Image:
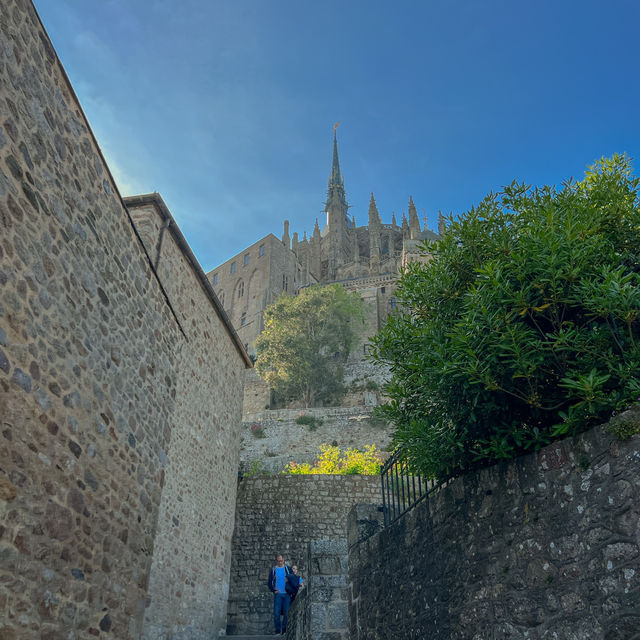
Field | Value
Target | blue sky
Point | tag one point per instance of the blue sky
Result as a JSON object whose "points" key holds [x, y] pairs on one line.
{"points": [[227, 108]]}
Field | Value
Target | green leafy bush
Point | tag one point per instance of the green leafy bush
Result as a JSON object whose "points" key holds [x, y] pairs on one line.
{"points": [[523, 327], [311, 421], [332, 461]]}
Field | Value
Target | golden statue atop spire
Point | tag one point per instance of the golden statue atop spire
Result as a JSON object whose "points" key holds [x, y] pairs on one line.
{"points": [[336, 125]]}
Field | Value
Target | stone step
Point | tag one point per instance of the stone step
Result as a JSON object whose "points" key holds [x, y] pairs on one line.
{"points": [[269, 637]]}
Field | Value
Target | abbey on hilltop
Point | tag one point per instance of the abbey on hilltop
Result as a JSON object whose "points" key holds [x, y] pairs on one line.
{"points": [[366, 259]]}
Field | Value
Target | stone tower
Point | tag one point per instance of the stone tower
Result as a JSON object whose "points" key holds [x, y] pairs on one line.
{"points": [[336, 206]]}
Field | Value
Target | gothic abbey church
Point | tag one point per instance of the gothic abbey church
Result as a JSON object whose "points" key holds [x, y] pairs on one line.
{"points": [[366, 259]]}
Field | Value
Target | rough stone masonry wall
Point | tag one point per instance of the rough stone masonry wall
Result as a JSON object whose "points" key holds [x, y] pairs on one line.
{"points": [[546, 546], [189, 582], [91, 373], [283, 440], [282, 514], [321, 608]]}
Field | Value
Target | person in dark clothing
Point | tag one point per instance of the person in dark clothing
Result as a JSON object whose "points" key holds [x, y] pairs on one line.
{"points": [[294, 583], [279, 583]]}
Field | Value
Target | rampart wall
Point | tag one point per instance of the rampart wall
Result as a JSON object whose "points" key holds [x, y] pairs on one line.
{"points": [[103, 422], [546, 546], [192, 553], [282, 514]]}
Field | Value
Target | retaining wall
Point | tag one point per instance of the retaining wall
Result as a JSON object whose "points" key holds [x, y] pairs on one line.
{"points": [[546, 546], [282, 514]]}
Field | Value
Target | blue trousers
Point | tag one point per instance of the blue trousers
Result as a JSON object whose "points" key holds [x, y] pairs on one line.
{"points": [[281, 604]]}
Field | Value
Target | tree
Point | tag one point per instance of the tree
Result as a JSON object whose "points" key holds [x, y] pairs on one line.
{"points": [[523, 328], [305, 342]]}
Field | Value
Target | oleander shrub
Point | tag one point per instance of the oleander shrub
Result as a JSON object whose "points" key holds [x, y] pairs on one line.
{"points": [[522, 328]]}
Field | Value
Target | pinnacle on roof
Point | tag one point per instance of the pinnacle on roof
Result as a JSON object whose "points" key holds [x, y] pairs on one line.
{"points": [[374, 216], [414, 222], [442, 224]]}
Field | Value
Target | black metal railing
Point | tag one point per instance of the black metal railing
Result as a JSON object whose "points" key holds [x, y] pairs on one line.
{"points": [[402, 487]]}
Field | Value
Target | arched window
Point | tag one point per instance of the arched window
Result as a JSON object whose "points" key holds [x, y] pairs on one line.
{"points": [[240, 288], [221, 297], [285, 282], [243, 319]]}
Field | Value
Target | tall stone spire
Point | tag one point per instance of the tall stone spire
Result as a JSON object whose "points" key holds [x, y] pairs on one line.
{"points": [[339, 248], [335, 192]]}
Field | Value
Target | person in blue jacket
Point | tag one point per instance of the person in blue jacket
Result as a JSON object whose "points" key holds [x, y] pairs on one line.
{"points": [[292, 588], [281, 581]]}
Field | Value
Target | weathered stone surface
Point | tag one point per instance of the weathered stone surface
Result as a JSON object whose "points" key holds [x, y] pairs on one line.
{"points": [[321, 610], [283, 514], [556, 555], [285, 441], [120, 386]]}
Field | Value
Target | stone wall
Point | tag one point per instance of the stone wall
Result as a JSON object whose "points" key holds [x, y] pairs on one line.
{"points": [[189, 582], [546, 546], [99, 394], [282, 514], [253, 279], [257, 395], [282, 440], [321, 609]]}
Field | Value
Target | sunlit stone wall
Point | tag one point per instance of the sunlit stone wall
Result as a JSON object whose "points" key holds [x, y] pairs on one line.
{"points": [[117, 387]]}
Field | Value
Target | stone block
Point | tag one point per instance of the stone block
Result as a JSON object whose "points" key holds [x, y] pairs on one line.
{"points": [[328, 547], [337, 616]]}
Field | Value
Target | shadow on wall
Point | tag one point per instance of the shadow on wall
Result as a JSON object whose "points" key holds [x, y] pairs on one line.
{"points": [[547, 545]]}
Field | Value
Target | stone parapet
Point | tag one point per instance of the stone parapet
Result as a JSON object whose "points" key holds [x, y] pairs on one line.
{"points": [[544, 546]]}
